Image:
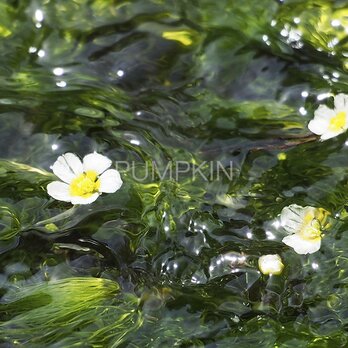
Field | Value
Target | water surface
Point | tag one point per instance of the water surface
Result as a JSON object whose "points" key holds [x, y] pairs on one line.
{"points": [[164, 262]]}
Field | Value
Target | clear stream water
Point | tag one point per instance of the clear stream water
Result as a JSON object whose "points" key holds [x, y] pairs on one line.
{"points": [[171, 261]]}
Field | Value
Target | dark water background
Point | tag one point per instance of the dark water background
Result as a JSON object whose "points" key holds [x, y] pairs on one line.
{"points": [[166, 263]]}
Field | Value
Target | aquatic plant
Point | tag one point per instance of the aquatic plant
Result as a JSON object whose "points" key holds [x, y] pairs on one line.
{"points": [[84, 181], [305, 226], [329, 123], [248, 88], [68, 312]]}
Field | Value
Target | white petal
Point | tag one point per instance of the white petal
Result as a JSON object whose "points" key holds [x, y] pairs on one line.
{"points": [[81, 200], [97, 162], [59, 190], [329, 135], [318, 125], [341, 102], [291, 218], [110, 181], [67, 167], [323, 112], [301, 246]]}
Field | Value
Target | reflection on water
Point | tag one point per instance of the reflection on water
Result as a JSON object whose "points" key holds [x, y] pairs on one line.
{"points": [[164, 263]]}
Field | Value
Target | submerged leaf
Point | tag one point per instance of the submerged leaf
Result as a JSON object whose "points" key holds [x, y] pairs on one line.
{"points": [[22, 179], [73, 311]]}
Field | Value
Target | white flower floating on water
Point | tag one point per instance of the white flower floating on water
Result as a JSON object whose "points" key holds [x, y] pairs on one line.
{"points": [[271, 264], [84, 181], [305, 225], [329, 123]]}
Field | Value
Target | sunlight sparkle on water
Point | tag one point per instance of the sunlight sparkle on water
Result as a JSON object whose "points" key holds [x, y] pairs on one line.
{"points": [[335, 23], [120, 73], [41, 53], [270, 235], [39, 15], [315, 265], [302, 111], [58, 71], [61, 84], [323, 96]]}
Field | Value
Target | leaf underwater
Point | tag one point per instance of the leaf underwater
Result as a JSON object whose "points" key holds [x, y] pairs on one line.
{"points": [[149, 82], [68, 311], [23, 180]]}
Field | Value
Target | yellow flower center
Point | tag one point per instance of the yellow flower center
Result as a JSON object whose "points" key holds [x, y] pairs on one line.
{"points": [[85, 184], [338, 122], [313, 223], [311, 233]]}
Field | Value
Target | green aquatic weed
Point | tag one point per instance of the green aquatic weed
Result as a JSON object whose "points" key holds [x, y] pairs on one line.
{"points": [[68, 312]]}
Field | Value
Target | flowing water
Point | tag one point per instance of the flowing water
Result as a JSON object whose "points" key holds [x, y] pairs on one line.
{"points": [[204, 105]]}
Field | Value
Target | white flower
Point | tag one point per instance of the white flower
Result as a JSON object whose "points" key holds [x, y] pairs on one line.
{"points": [[271, 264], [84, 181], [305, 224], [329, 123]]}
